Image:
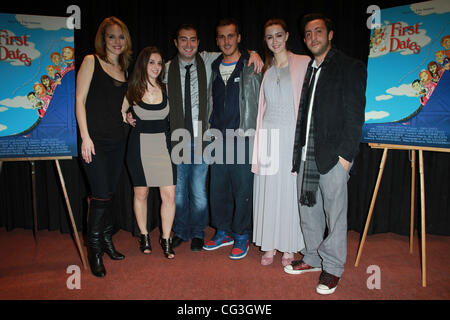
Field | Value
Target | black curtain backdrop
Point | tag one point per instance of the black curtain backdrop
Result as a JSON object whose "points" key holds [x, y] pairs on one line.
{"points": [[153, 23]]}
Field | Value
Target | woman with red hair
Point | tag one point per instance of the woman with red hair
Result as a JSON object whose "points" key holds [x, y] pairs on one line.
{"points": [[435, 71], [276, 223]]}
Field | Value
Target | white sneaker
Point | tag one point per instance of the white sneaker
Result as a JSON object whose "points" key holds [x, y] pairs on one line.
{"points": [[299, 267]]}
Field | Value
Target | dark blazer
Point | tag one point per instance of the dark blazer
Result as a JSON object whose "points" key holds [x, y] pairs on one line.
{"points": [[338, 111]]}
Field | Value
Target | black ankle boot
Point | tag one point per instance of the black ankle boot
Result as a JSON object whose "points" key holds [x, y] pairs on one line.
{"points": [[107, 244], [94, 234], [166, 245], [96, 263]]}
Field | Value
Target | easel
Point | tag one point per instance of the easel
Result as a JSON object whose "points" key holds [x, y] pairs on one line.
{"points": [[63, 186], [386, 147]]}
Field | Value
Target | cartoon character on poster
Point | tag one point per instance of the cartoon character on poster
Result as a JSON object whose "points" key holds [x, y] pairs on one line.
{"points": [[377, 41]]}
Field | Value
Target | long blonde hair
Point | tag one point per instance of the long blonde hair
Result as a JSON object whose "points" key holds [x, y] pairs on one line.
{"points": [[100, 44], [268, 60]]}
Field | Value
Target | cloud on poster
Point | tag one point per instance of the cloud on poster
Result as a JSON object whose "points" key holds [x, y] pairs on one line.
{"points": [[431, 7], [376, 115], [42, 22], [402, 90], [383, 97], [3, 127], [17, 102], [68, 39]]}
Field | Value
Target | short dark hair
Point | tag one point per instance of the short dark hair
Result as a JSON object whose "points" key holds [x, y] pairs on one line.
{"points": [[314, 16], [227, 22], [185, 26]]}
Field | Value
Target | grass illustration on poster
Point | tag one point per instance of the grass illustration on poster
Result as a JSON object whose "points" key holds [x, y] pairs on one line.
{"points": [[408, 85], [37, 97]]}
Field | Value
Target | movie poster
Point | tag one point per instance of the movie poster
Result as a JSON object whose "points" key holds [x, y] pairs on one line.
{"points": [[408, 85], [37, 87]]}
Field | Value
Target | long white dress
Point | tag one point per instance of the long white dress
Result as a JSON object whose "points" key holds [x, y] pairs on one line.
{"points": [[276, 221]]}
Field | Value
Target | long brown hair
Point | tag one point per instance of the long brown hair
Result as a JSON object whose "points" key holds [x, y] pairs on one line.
{"points": [[268, 60], [137, 85], [100, 44]]}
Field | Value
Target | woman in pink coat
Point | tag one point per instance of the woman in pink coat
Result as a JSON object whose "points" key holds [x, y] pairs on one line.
{"points": [[276, 225]]}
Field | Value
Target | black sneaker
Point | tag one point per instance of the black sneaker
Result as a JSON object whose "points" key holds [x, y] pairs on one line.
{"points": [[327, 283], [197, 244]]}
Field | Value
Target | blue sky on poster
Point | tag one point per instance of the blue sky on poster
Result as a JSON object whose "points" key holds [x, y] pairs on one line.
{"points": [[44, 35], [391, 69]]}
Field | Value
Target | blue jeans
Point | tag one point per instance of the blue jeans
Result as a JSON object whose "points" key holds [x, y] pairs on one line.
{"points": [[231, 194], [191, 199]]}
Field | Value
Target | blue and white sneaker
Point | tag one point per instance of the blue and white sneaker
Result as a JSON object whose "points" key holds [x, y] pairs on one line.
{"points": [[221, 239]]}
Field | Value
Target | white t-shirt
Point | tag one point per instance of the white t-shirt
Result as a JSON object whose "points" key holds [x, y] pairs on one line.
{"points": [[226, 69]]}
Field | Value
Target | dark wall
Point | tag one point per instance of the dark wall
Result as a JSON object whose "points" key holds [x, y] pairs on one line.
{"points": [[153, 23]]}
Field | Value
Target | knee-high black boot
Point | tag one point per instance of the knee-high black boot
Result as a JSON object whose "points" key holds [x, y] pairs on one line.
{"points": [[97, 211], [107, 244]]}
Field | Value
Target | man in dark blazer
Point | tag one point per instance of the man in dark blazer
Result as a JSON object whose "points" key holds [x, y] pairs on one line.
{"points": [[331, 115]]}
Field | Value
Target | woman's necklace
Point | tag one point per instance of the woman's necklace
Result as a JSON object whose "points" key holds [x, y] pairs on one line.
{"points": [[279, 66], [277, 72], [152, 95]]}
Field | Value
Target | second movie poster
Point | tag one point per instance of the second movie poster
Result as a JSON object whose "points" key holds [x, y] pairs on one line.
{"points": [[408, 85]]}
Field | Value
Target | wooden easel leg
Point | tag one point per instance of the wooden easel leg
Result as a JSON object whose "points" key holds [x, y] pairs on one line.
{"points": [[372, 205], [413, 186], [69, 208], [33, 191], [423, 231]]}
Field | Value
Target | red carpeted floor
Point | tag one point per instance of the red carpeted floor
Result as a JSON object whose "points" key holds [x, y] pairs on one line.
{"points": [[39, 271]]}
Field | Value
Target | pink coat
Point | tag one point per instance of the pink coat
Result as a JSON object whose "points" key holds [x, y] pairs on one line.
{"points": [[298, 64]]}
